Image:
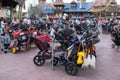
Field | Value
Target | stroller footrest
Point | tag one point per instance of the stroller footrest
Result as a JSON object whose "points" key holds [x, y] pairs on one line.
{"points": [[57, 54]]}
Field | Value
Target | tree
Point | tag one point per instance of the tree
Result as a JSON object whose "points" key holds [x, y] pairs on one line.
{"points": [[34, 10]]}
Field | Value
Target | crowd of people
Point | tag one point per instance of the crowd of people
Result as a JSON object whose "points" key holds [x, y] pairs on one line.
{"points": [[45, 24], [25, 20]]}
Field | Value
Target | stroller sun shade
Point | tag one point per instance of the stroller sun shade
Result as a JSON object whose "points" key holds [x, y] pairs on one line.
{"points": [[40, 44]]}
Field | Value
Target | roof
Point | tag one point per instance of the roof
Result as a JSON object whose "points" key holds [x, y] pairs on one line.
{"points": [[13, 3], [59, 2], [9, 3], [47, 9], [86, 7], [42, 0], [46, 5], [73, 2], [101, 5]]}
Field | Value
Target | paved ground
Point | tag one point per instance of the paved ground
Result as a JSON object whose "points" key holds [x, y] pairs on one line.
{"points": [[21, 67]]}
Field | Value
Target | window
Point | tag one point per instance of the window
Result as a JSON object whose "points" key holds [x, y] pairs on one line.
{"points": [[73, 5]]}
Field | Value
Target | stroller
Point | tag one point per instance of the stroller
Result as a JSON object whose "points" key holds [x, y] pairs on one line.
{"points": [[5, 40], [81, 53], [65, 37], [21, 40], [107, 27], [115, 35], [80, 28], [45, 53]]}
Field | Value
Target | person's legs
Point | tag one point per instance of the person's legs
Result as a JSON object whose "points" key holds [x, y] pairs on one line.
{"points": [[6, 46]]}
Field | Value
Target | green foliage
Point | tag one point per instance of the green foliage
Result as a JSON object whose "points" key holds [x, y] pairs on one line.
{"points": [[34, 10]]}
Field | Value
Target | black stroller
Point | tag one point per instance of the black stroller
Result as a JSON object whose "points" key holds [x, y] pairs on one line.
{"points": [[80, 28], [115, 35], [89, 39], [65, 38], [107, 27]]}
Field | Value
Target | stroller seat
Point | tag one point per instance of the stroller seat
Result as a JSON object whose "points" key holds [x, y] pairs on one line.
{"points": [[41, 45]]}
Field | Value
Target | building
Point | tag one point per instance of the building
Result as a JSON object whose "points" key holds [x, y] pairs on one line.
{"points": [[4, 12], [77, 9], [105, 8], [58, 8], [99, 8], [11, 5], [46, 9]]}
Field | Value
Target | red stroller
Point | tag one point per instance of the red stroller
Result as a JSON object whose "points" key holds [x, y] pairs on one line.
{"points": [[45, 53], [21, 40]]}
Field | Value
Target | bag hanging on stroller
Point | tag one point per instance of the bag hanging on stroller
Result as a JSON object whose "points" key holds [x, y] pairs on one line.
{"points": [[90, 61], [80, 54]]}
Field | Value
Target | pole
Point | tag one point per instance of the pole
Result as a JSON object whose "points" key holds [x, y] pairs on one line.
{"points": [[11, 13], [52, 54], [20, 12], [0, 44]]}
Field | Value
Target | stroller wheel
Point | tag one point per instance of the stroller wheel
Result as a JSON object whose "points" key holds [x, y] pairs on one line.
{"points": [[94, 53], [27, 47], [2, 49], [63, 62], [5, 51], [55, 61], [113, 45], [71, 68], [39, 53], [39, 60], [13, 50]]}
